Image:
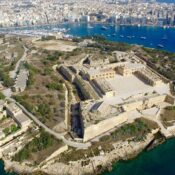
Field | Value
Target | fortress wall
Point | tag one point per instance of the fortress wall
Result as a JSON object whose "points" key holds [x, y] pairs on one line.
{"points": [[81, 84], [66, 112], [155, 100], [103, 126], [170, 99], [86, 89], [149, 102], [67, 73], [133, 105]]}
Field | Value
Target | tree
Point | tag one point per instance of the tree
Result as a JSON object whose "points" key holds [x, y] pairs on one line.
{"points": [[2, 97], [6, 131]]}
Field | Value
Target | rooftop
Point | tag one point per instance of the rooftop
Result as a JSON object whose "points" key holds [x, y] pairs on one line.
{"points": [[13, 107], [130, 86], [22, 118]]}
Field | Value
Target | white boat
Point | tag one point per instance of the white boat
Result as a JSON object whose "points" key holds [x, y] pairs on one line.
{"points": [[104, 28], [143, 37], [160, 45]]}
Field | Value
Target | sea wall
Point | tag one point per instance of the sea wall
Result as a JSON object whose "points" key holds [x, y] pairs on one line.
{"points": [[149, 102]]}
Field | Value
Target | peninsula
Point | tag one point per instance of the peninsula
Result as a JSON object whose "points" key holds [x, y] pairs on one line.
{"points": [[74, 106]]}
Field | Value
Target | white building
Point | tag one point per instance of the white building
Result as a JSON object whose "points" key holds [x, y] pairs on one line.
{"points": [[17, 114]]}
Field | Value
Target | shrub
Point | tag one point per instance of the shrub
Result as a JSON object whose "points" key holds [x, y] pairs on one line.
{"points": [[55, 86], [2, 96], [37, 144]]}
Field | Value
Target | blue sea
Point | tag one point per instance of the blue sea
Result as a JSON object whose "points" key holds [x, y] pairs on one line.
{"points": [[2, 171], [159, 161], [167, 1], [151, 37]]}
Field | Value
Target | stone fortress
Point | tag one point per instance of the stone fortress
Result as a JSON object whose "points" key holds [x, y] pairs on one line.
{"points": [[115, 93]]}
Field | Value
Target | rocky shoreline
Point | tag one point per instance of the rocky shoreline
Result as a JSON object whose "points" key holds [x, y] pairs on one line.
{"points": [[96, 165]]}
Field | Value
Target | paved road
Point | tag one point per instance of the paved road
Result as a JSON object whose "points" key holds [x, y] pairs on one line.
{"points": [[13, 74], [50, 131]]}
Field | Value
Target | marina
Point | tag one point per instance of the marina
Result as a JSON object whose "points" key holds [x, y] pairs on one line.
{"points": [[153, 37]]}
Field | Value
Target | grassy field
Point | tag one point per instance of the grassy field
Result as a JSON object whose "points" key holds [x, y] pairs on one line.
{"points": [[38, 149]]}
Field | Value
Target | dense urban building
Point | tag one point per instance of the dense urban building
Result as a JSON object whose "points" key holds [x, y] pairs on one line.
{"points": [[121, 12]]}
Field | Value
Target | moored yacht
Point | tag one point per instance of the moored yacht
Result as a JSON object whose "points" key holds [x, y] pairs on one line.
{"points": [[160, 45]]}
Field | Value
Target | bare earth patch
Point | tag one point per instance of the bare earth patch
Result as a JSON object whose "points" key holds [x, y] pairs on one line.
{"points": [[168, 117], [65, 46]]}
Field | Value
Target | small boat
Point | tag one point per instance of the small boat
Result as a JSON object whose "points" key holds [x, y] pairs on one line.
{"points": [[121, 36], [160, 45], [129, 37], [104, 28], [143, 37]]}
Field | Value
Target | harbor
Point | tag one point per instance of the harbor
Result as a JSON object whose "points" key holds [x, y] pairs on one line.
{"points": [[147, 36]]}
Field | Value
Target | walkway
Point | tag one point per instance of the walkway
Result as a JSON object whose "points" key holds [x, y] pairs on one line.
{"points": [[13, 74]]}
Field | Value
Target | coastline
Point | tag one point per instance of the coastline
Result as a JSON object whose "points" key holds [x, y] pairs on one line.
{"points": [[91, 22], [163, 40], [97, 164]]}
